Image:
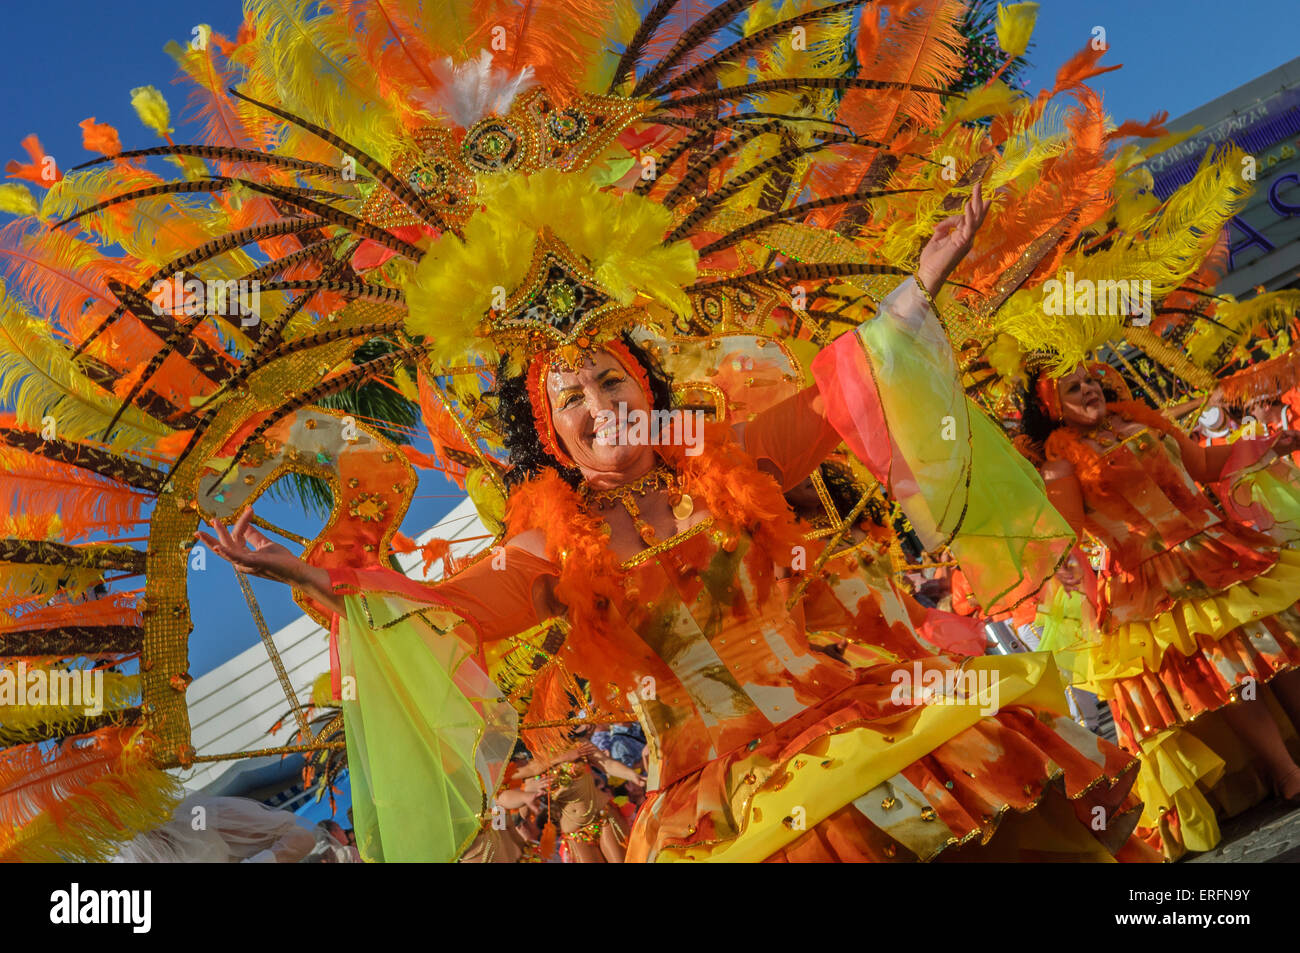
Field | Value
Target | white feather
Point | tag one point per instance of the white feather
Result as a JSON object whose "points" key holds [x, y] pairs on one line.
{"points": [[474, 89]]}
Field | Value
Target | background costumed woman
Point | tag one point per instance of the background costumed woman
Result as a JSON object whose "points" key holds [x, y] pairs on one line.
{"points": [[1197, 612]]}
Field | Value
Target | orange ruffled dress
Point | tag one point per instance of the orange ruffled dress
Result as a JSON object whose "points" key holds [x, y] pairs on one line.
{"points": [[1192, 607], [760, 748]]}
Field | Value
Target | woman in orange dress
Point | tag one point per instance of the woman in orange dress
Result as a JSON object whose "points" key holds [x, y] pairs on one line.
{"points": [[675, 571], [1198, 613]]}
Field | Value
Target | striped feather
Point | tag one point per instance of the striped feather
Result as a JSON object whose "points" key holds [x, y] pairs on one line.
{"points": [[798, 272], [795, 211], [395, 186], [636, 47], [222, 153], [704, 72], [692, 37], [330, 386]]}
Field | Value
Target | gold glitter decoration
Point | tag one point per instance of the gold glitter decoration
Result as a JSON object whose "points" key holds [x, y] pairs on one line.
{"points": [[368, 507], [534, 134], [165, 606]]}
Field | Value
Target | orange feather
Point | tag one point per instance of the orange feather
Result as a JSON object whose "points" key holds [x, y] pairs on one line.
{"points": [[87, 503], [918, 41], [80, 799], [35, 170], [1153, 128], [443, 431], [558, 38], [100, 137], [118, 608], [62, 275]]}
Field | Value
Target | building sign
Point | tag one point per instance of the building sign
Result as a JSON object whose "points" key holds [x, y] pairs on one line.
{"points": [[1258, 130]]}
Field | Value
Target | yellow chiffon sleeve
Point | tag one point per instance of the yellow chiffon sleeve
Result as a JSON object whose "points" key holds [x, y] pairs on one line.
{"points": [[893, 392], [428, 733]]}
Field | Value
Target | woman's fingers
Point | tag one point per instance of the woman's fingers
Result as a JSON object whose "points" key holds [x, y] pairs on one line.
{"points": [[239, 528], [223, 534], [232, 556], [256, 538]]}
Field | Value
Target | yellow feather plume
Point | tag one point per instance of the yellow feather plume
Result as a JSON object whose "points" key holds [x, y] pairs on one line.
{"points": [[322, 691], [1015, 27], [996, 99], [1156, 254], [16, 199], [308, 64], [40, 379], [1236, 320], [619, 235], [152, 109], [106, 788], [23, 723]]}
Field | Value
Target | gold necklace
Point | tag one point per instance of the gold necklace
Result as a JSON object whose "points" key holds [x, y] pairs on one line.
{"points": [[1103, 426], [627, 494]]}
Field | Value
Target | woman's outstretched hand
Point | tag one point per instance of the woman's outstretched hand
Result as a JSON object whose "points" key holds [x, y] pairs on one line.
{"points": [[248, 550], [951, 242]]}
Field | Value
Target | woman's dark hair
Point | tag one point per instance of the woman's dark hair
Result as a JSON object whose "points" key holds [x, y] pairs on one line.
{"points": [[1035, 422], [845, 493], [519, 430]]}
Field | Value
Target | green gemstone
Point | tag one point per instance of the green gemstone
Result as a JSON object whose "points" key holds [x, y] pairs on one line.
{"points": [[322, 457], [561, 298]]}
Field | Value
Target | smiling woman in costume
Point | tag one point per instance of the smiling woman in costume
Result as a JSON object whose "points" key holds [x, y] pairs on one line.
{"points": [[674, 574]]}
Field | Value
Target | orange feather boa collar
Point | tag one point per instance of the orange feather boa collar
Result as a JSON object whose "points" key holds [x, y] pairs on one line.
{"points": [[741, 500]]}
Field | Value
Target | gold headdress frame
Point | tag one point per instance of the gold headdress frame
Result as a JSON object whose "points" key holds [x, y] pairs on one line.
{"points": [[561, 305], [441, 165]]}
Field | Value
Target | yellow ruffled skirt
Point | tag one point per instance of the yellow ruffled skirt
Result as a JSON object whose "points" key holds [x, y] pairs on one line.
{"points": [[1165, 678], [934, 781]]}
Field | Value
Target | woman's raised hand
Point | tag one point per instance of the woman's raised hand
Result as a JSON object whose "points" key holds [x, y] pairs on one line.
{"points": [[248, 550], [951, 242]]}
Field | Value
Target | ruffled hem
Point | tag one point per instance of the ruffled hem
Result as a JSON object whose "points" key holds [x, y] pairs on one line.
{"points": [[1176, 817], [1048, 830], [1197, 773], [1135, 647], [1189, 687], [897, 787]]}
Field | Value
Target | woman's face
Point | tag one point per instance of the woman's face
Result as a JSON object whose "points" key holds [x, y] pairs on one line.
{"points": [[589, 410], [1083, 404]]}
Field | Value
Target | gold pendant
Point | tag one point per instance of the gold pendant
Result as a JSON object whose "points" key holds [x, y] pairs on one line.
{"points": [[684, 507]]}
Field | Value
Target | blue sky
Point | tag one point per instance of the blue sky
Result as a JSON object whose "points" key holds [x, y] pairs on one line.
{"points": [[66, 61]]}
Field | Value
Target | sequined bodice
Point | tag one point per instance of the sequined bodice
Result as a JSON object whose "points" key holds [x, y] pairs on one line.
{"points": [[1144, 502], [727, 660]]}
